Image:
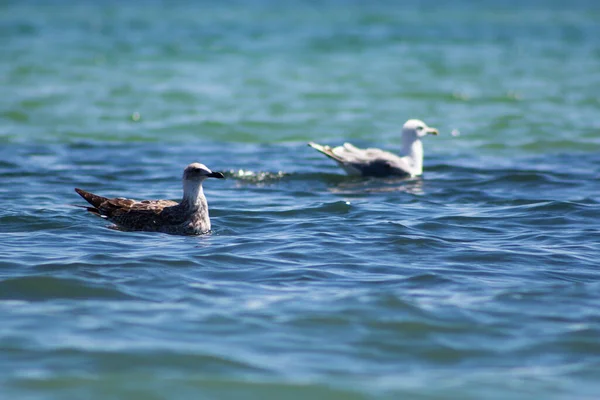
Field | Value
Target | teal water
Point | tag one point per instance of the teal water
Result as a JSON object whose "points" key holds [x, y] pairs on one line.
{"points": [[477, 281]]}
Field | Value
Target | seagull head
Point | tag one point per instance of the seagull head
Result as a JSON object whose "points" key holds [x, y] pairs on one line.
{"points": [[199, 172], [416, 128]]}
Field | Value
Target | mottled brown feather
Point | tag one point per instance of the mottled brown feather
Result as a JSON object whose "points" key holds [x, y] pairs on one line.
{"points": [[190, 217], [147, 215]]}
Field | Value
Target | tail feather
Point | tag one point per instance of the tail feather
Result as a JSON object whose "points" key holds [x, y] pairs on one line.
{"points": [[93, 199], [326, 150]]}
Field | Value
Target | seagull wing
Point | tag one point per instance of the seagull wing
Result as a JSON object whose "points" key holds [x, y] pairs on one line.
{"points": [[132, 214], [366, 162]]}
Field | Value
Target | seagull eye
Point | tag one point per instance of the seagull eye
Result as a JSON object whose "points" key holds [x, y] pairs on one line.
{"points": [[419, 128]]}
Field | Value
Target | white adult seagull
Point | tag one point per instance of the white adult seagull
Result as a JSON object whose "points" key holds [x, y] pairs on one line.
{"points": [[377, 162]]}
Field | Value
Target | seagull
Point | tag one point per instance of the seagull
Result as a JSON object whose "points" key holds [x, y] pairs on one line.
{"points": [[188, 217], [376, 162]]}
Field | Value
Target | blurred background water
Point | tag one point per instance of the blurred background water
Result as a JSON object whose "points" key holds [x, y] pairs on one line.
{"points": [[477, 281]]}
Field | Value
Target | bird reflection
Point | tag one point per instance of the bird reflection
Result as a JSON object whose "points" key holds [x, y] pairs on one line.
{"points": [[379, 185]]}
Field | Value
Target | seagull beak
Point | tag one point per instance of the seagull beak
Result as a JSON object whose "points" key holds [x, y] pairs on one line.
{"points": [[432, 131], [218, 175]]}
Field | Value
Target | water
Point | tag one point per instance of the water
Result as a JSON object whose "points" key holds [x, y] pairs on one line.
{"points": [[477, 281]]}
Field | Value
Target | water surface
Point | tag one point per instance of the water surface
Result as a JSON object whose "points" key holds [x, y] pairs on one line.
{"points": [[478, 280]]}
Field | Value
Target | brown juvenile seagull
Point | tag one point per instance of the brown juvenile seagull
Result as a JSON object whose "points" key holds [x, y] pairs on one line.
{"points": [[376, 162], [189, 217]]}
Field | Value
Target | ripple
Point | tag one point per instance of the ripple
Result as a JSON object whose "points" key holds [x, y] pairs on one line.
{"points": [[42, 288]]}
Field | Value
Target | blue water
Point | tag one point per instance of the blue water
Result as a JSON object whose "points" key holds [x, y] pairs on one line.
{"points": [[478, 280]]}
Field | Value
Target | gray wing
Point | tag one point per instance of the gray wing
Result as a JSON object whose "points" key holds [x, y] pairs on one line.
{"points": [[381, 167], [366, 162]]}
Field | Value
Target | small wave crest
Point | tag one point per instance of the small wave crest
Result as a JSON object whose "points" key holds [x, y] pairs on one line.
{"points": [[256, 177]]}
